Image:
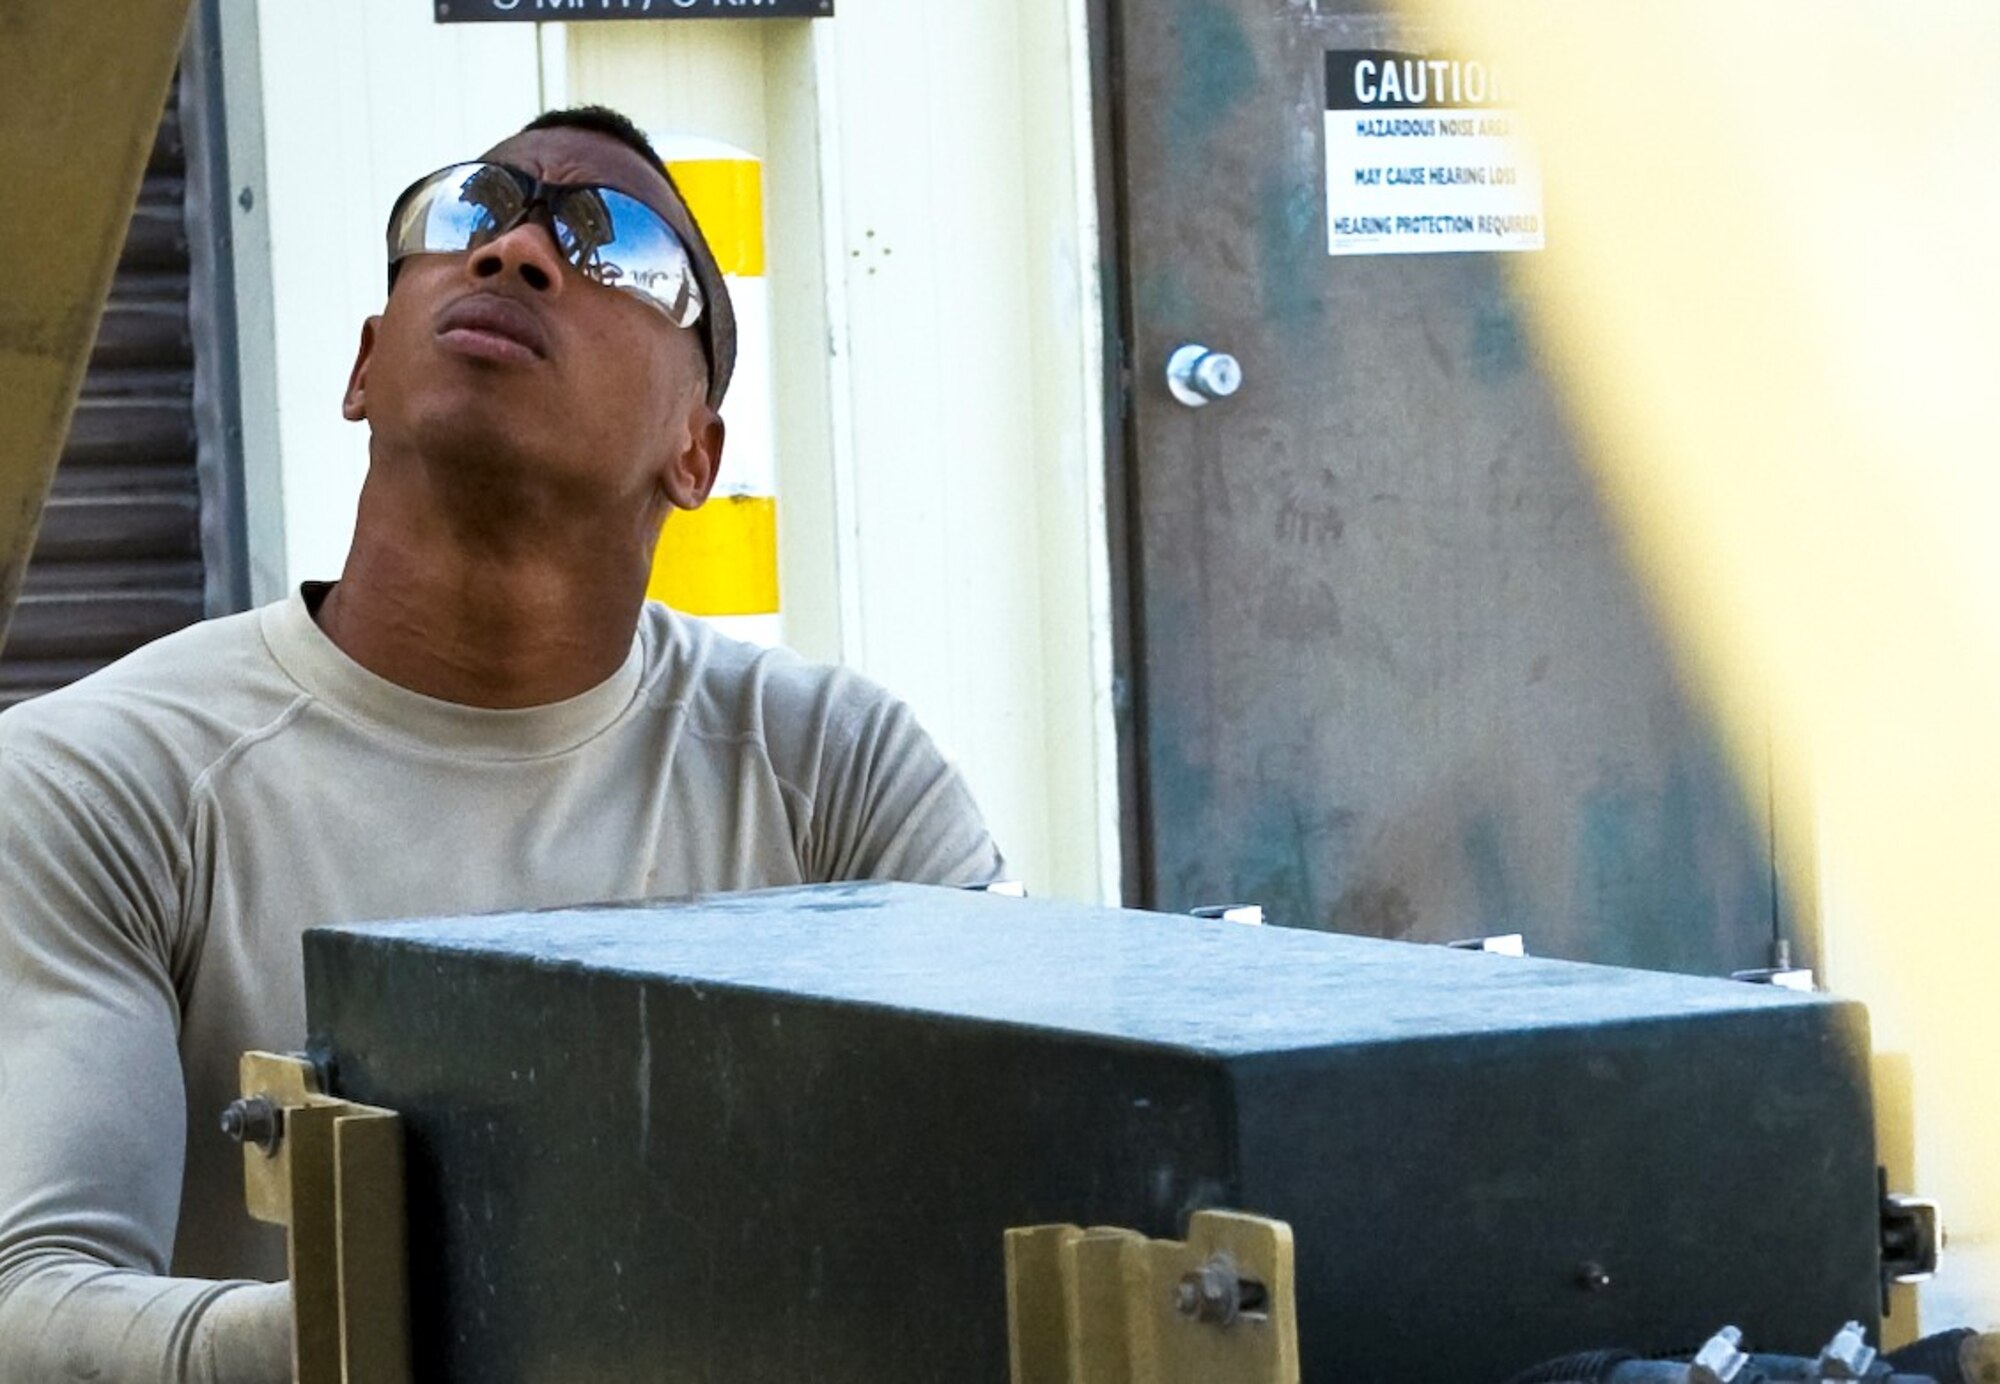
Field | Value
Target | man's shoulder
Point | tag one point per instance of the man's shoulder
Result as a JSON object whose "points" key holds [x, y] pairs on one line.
{"points": [[732, 688], [167, 709], [877, 800]]}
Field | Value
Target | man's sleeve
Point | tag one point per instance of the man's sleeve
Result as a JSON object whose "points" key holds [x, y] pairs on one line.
{"points": [[886, 805], [92, 1109]]}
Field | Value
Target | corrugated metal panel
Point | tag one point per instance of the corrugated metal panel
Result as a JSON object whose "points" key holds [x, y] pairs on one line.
{"points": [[118, 561]]}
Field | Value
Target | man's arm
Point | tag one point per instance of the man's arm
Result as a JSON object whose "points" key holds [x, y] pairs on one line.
{"points": [[92, 1109]]}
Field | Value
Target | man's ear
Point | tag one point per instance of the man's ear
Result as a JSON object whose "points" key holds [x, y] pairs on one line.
{"points": [[691, 475], [354, 404]]}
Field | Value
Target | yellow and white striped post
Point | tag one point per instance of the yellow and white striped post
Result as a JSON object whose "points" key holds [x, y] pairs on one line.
{"points": [[721, 561]]}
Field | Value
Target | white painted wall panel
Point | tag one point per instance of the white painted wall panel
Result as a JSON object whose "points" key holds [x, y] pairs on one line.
{"points": [[976, 427], [360, 98]]}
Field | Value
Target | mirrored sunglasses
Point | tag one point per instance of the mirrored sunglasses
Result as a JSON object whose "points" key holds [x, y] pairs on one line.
{"points": [[611, 237]]}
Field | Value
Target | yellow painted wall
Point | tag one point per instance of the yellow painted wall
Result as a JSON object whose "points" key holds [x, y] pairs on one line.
{"points": [[1772, 304]]}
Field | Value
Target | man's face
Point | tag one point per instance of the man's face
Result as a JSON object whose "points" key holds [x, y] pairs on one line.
{"points": [[507, 358]]}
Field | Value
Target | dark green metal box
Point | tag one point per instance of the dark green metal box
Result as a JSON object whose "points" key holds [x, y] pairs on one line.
{"points": [[775, 1137]]}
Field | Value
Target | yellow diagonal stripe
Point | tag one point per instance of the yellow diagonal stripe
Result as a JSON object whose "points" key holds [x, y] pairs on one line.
{"points": [[721, 559], [1790, 407], [727, 199]]}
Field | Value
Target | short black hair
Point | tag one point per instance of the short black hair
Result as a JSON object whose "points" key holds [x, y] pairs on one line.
{"points": [[604, 121], [717, 327]]}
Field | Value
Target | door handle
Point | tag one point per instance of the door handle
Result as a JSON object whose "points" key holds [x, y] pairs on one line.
{"points": [[1197, 376]]}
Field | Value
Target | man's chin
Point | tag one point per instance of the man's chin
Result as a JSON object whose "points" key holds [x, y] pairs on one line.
{"points": [[483, 441], [490, 449]]}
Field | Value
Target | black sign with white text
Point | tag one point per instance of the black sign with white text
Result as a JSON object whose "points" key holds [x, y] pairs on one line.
{"points": [[574, 11], [1376, 80]]}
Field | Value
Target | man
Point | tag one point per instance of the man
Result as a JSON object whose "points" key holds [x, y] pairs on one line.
{"points": [[483, 713]]}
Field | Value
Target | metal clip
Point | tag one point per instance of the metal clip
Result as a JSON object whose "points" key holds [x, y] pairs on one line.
{"points": [[1848, 1355], [1720, 1360], [1911, 1239], [1004, 888], [1502, 944], [1249, 913], [1798, 978]]}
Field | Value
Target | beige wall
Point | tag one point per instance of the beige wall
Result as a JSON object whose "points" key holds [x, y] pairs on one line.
{"points": [[937, 343]]}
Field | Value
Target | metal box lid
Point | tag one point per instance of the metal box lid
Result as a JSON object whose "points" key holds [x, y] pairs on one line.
{"points": [[1226, 989]]}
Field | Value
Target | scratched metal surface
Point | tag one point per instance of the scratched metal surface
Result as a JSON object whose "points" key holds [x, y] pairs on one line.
{"points": [[1393, 675]]}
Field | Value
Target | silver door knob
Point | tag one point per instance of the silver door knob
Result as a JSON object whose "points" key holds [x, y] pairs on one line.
{"points": [[1197, 375]]}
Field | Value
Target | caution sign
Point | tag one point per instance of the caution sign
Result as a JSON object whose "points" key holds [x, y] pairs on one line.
{"points": [[1423, 156]]}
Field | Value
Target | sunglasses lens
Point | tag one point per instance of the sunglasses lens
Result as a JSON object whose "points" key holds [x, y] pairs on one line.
{"points": [[454, 210], [614, 239], [622, 243]]}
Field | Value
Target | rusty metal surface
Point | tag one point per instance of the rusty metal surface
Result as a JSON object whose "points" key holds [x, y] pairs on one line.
{"points": [[81, 89], [1393, 675]]}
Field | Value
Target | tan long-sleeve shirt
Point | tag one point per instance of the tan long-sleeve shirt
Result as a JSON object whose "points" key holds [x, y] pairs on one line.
{"points": [[169, 828]]}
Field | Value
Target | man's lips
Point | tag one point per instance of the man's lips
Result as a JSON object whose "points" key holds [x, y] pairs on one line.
{"points": [[491, 327]]}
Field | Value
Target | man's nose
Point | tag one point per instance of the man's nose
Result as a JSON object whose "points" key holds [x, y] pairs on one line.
{"points": [[527, 251]]}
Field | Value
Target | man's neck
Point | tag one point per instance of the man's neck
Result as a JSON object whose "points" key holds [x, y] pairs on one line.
{"points": [[527, 614]]}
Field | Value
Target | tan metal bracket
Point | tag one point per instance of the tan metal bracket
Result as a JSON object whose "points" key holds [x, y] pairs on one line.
{"points": [[331, 1173], [1109, 1306]]}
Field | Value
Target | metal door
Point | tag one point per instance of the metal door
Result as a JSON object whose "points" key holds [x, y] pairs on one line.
{"points": [[1389, 671]]}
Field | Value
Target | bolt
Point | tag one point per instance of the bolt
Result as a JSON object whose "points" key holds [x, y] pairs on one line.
{"points": [[1594, 1277], [254, 1120], [1187, 1297], [1210, 1293]]}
